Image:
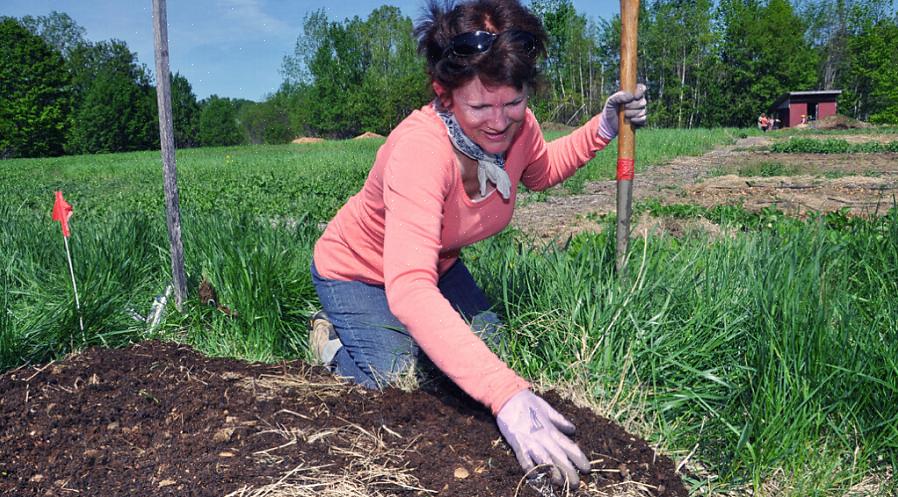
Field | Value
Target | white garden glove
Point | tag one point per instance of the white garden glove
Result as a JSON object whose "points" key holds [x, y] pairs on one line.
{"points": [[537, 434], [634, 110]]}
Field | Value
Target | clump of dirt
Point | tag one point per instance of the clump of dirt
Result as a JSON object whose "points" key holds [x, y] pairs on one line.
{"points": [[307, 139], [159, 419], [838, 121], [368, 134]]}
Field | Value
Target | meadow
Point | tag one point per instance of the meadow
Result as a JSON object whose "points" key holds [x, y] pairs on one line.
{"points": [[767, 361]]}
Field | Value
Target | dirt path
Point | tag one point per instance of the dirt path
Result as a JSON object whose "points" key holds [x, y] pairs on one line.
{"points": [[744, 173], [158, 419]]}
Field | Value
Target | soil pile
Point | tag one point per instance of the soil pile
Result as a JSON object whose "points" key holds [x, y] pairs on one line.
{"points": [[367, 134], [307, 139], [838, 121], [158, 419]]}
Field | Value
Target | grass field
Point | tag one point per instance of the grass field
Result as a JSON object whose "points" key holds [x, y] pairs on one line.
{"points": [[770, 358]]}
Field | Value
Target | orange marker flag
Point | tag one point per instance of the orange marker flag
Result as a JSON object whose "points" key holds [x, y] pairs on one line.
{"points": [[62, 211]]}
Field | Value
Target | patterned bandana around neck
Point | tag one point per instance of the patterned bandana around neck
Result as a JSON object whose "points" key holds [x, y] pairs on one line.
{"points": [[489, 166]]}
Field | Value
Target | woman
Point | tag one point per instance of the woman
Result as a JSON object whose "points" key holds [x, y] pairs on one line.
{"points": [[387, 267], [763, 122]]}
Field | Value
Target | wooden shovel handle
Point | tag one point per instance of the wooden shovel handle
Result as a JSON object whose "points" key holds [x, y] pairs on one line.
{"points": [[626, 138], [629, 16]]}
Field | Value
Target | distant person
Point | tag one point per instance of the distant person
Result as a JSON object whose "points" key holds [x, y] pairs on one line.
{"points": [[388, 267], [763, 122]]}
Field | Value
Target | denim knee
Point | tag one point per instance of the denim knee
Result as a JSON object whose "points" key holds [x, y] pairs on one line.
{"points": [[489, 328]]}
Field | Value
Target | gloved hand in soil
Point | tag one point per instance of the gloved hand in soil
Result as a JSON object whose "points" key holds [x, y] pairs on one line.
{"points": [[634, 110], [538, 435]]}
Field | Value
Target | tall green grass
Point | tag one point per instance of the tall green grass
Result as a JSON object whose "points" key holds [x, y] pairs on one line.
{"points": [[774, 352], [259, 268]]}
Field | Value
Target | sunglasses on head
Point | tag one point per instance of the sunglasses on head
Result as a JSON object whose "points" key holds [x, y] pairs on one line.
{"points": [[477, 42]]}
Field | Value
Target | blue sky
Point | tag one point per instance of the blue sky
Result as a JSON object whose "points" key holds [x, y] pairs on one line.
{"points": [[232, 48]]}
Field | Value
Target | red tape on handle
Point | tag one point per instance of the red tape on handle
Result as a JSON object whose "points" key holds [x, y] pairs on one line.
{"points": [[626, 169]]}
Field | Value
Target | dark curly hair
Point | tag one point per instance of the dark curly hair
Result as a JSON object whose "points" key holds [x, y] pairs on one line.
{"points": [[510, 61]]}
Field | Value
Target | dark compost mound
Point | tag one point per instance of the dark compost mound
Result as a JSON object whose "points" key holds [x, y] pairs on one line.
{"points": [[159, 419]]}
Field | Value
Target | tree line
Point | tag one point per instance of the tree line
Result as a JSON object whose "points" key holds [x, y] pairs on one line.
{"points": [[63, 94], [706, 63]]}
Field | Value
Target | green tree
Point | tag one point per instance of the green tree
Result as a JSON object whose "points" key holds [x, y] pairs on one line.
{"points": [[296, 66], [871, 79], [218, 122], [185, 112], [338, 69], [58, 29], [883, 54], [572, 65], [352, 76], [827, 31], [266, 122], [676, 44], [34, 94], [765, 53], [117, 111], [394, 81], [296, 98], [299, 82]]}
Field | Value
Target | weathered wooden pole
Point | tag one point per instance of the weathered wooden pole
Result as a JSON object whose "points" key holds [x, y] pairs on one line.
{"points": [[626, 138], [166, 139]]}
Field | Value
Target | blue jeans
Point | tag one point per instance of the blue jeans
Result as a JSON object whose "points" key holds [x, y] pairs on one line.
{"points": [[377, 348]]}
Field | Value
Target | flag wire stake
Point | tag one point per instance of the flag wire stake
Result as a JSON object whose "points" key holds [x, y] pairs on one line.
{"points": [[68, 255]]}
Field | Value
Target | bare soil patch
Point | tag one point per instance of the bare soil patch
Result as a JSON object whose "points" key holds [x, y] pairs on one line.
{"points": [[158, 419], [860, 184]]}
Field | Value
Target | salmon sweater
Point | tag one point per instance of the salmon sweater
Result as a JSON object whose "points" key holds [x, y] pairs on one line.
{"points": [[412, 217]]}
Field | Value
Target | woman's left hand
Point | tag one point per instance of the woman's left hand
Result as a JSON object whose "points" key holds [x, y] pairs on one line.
{"points": [[634, 110]]}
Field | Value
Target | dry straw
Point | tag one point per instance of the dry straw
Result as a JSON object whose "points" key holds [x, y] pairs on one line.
{"points": [[372, 468]]}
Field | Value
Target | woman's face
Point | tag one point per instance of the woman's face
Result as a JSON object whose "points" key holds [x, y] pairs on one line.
{"points": [[491, 116]]}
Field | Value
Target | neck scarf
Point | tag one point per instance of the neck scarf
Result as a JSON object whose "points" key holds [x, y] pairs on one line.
{"points": [[489, 166]]}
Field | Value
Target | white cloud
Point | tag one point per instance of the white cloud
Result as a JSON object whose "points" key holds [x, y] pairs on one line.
{"points": [[251, 16]]}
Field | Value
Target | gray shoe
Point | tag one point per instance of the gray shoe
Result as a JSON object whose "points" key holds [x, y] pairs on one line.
{"points": [[323, 340]]}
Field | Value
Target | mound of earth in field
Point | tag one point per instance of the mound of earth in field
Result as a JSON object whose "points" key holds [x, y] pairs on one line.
{"points": [[160, 419], [838, 121], [307, 139], [367, 134]]}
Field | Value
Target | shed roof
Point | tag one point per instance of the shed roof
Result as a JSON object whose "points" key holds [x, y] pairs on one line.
{"points": [[805, 96]]}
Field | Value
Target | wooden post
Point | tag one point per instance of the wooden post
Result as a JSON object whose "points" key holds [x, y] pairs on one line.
{"points": [[626, 138], [167, 140]]}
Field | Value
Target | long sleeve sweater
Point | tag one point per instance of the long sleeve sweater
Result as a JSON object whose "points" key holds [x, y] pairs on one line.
{"points": [[412, 217]]}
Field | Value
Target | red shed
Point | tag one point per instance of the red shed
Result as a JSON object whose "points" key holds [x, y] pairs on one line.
{"points": [[797, 107]]}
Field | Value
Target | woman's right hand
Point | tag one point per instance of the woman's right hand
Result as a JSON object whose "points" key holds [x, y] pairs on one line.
{"points": [[538, 434]]}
